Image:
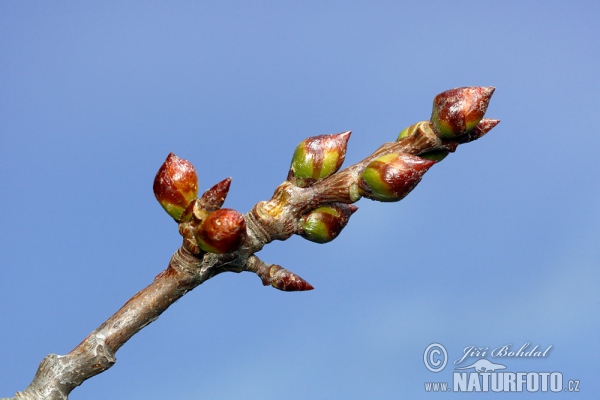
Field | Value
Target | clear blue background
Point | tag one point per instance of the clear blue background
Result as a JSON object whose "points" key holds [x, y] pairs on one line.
{"points": [[498, 245]]}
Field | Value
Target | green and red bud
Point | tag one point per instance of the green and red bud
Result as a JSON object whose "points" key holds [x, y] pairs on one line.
{"points": [[175, 185], [393, 176], [457, 111], [222, 231], [317, 158], [323, 224]]}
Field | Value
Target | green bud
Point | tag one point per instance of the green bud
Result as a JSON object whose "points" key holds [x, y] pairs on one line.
{"points": [[175, 185], [457, 111], [393, 176], [435, 155], [323, 224], [409, 131], [222, 231], [317, 158]]}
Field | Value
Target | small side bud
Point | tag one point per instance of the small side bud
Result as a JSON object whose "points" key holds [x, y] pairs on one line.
{"points": [[457, 111], [411, 130], [282, 279], [214, 197], [318, 157], [483, 127], [222, 231], [323, 224], [393, 176], [175, 185]]}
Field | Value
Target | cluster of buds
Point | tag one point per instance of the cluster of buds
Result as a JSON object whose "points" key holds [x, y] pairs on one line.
{"points": [[390, 175], [315, 159], [204, 225]]}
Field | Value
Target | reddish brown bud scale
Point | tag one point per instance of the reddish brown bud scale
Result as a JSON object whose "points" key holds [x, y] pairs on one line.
{"points": [[222, 231], [318, 157], [393, 176], [214, 197], [457, 111], [282, 279], [175, 185], [483, 127]]}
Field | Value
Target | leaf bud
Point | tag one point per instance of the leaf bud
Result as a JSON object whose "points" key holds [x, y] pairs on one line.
{"points": [[318, 157], [175, 185], [323, 224], [409, 131], [393, 176], [222, 231], [214, 197], [457, 111], [283, 279], [482, 128]]}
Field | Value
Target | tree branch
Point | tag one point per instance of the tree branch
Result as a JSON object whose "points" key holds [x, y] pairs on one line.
{"points": [[315, 202]]}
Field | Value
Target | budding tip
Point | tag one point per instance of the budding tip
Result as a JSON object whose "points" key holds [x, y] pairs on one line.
{"points": [[345, 135], [225, 184], [486, 125], [352, 208], [491, 122]]}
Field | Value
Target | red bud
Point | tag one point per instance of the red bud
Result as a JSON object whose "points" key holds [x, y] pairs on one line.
{"points": [[222, 231], [175, 185], [457, 111], [214, 197], [282, 279]]}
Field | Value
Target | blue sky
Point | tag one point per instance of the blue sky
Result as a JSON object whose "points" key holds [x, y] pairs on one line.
{"points": [[498, 244]]}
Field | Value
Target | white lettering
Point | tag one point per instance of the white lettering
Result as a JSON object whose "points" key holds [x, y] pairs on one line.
{"points": [[474, 384], [544, 380], [509, 382], [532, 382], [504, 382], [520, 352], [486, 377], [472, 351], [460, 381], [520, 381], [556, 381], [497, 382]]}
